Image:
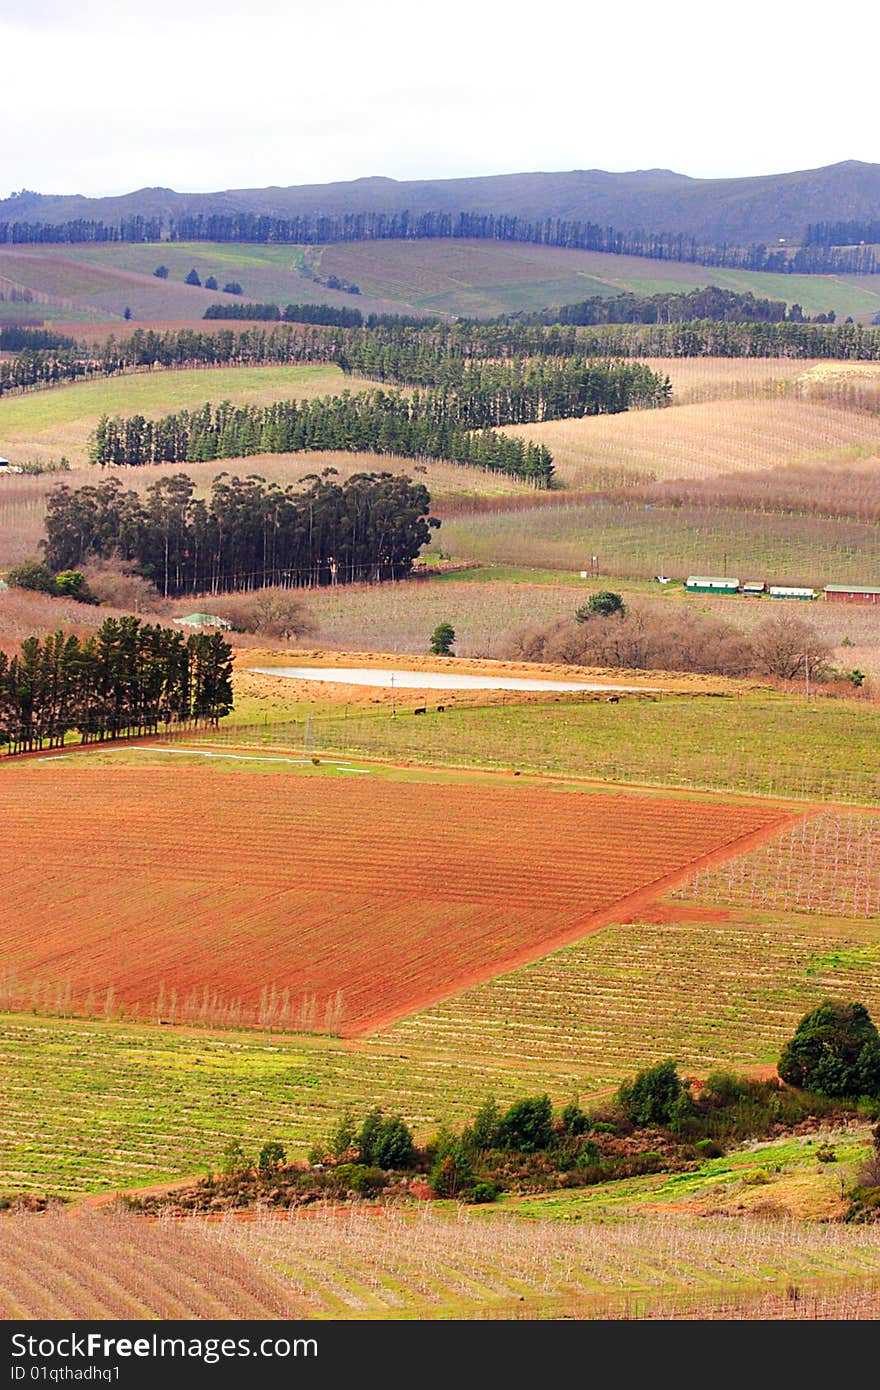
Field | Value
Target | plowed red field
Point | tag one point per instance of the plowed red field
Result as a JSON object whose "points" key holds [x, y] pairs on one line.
{"points": [[292, 901]]}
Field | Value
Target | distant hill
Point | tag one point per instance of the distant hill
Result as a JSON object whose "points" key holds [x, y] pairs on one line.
{"points": [[740, 211]]}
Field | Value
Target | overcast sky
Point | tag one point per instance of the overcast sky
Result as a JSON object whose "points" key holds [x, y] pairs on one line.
{"points": [[198, 95]]}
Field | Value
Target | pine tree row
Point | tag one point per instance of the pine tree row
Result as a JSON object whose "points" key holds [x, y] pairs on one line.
{"points": [[128, 678]]}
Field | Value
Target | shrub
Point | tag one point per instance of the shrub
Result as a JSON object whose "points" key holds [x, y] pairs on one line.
{"points": [[826, 1153], [232, 287], [451, 1174], [708, 1148], [527, 1126], [604, 604], [835, 1052], [73, 584], [272, 1155], [483, 1192], [32, 574], [361, 1178], [588, 1155], [270, 612], [193, 278], [649, 1099], [234, 1162], [574, 1121], [483, 1133]]}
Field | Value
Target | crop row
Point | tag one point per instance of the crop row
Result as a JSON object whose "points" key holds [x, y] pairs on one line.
{"points": [[828, 863], [709, 993]]}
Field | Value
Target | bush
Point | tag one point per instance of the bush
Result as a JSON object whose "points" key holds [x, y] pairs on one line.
{"points": [[193, 278], [232, 287], [483, 1133], [650, 1098], [234, 1162], [835, 1052], [588, 1155], [73, 584], [527, 1127], [709, 1148], [272, 1155], [451, 1174], [574, 1121], [358, 1177], [483, 1192], [604, 604], [270, 612], [33, 575]]}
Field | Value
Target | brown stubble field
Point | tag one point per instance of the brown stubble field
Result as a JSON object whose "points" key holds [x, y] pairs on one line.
{"points": [[345, 902]]}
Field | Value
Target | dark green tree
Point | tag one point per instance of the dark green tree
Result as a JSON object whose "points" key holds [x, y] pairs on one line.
{"points": [[604, 604], [527, 1126], [272, 1155], [835, 1052], [193, 278], [211, 283], [442, 639], [650, 1098], [161, 272]]}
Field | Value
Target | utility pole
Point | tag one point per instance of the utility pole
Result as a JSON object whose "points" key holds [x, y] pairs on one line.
{"points": [[807, 676], [392, 694]]}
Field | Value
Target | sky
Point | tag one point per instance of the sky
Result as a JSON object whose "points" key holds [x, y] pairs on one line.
{"points": [[199, 95]]}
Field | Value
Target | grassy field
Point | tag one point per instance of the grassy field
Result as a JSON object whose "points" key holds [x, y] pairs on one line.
{"points": [[98, 282], [636, 540], [435, 277], [759, 742], [487, 277], [43, 425]]}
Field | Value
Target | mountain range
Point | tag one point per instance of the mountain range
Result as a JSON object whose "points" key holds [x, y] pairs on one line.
{"points": [[741, 211]]}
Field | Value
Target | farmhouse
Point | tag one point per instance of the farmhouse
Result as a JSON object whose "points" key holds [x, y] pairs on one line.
{"points": [[852, 593], [203, 620]]}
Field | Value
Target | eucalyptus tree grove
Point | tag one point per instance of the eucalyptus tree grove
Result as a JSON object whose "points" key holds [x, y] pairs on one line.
{"points": [[248, 534]]}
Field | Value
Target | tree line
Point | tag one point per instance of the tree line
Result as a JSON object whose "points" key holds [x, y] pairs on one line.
{"points": [[427, 426], [36, 366], [812, 258], [249, 534], [849, 234], [128, 678], [709, 303], [292, 313]]}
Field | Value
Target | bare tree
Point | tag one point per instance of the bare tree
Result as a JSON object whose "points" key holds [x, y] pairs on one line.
{"points": [[784, 643]]}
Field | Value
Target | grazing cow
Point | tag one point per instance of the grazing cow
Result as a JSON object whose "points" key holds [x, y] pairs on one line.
{"points": [[440, 709], [613, 700], [422, 709]]}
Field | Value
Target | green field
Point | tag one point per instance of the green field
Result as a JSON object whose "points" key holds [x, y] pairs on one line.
{"points": [[757, 743], [46, 424], [708, 993]]}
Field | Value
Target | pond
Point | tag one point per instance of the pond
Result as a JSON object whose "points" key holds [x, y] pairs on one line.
{"points": [[429, 680]]}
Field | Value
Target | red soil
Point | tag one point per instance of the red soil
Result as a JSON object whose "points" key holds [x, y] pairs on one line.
{"points": [[295, 901]]}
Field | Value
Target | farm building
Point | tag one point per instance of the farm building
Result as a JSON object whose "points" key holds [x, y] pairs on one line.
{"points": [[790, 591], [203, 620], [852, 593], [707, 584]]}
